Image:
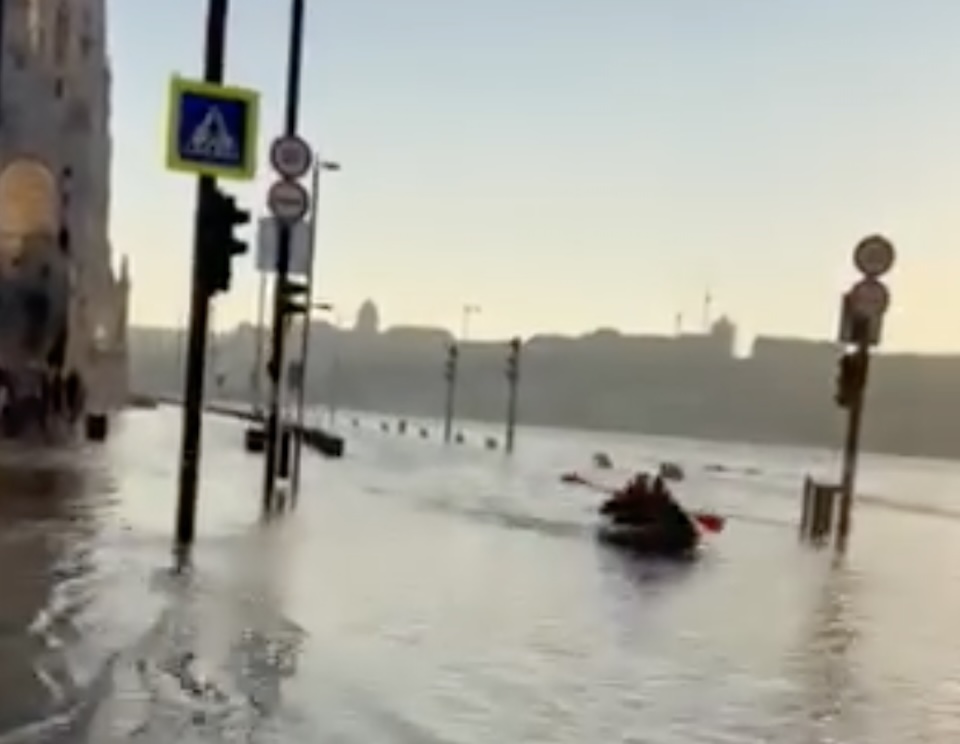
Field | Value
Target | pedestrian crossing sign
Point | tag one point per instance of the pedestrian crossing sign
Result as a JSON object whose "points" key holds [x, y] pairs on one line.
{"points": [[212, 129]]}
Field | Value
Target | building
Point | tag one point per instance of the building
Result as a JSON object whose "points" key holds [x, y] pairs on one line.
{"points": [[62, 306]]}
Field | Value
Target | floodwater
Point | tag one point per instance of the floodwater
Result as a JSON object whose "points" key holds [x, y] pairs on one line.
{"points": [[424, 594]]}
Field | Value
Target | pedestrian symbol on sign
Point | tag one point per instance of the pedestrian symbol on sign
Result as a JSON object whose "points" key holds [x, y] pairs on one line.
{"points": [[212, 139]]}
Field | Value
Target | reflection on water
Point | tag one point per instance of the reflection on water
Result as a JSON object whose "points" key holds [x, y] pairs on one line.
{"points": [[209, 659], [46, 530], [831, 697], [448, 596]]}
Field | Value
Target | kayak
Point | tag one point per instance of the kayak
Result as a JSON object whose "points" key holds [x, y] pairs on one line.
{"points": [[644, 540]]}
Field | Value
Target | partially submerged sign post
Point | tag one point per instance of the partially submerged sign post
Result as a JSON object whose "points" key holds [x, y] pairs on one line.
{"points": [[863, 309], [211, 132]]}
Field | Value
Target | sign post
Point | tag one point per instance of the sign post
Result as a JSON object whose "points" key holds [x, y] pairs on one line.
{"points": [[286, 157], [212, 132], [862, 313]]}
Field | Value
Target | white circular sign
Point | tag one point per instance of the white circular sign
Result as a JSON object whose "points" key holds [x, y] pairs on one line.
{"points": [[288, 201], [874, 256], [870, 298], [290, 156]]}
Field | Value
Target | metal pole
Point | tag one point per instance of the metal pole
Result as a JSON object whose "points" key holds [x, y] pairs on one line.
{"points": [[199, 308], [334, 390], [450, 402], [3, 57], [257, 374], [213, 352], [851, 447], [305, 330], [283, 262], [513, 378]]}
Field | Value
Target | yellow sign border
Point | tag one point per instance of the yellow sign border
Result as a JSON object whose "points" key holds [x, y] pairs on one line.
{"points": [[180, 86]]}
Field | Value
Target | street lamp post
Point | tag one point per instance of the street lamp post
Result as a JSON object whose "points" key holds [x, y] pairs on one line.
{"points": [[468, 310], [319, 166], [301, 387]]}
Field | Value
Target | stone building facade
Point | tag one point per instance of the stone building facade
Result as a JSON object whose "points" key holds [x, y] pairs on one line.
{"points": [[63, 307]]}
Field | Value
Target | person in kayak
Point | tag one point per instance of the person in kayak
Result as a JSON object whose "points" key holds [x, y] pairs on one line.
{"points": [[643, 504], [630, 505]]}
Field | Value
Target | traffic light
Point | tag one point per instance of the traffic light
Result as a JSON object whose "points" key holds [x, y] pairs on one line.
{"points": [[850, 379], [221, 216], [513, 360], [453, 354], [295, 297]]}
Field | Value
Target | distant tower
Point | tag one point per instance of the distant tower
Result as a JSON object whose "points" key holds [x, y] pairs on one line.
{"points": [[724, 334], [368, 319]]}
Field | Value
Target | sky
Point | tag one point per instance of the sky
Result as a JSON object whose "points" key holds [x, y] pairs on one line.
{"points": [[574, 164]]}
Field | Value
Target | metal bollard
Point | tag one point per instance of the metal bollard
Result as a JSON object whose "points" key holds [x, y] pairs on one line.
{"points": [[806, 509]]}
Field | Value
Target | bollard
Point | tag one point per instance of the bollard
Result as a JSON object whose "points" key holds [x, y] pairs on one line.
{"points": [[818, 510], [806, 508], [820, 514], [283, 463], [829, 496], [824, 500], [97, 426]]}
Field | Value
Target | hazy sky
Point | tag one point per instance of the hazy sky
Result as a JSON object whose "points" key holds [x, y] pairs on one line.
{"points": [[569, 164]]}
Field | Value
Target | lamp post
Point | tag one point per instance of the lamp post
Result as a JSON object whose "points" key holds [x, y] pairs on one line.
{"points": [[319, 166], [301, 387], [468, 310]]}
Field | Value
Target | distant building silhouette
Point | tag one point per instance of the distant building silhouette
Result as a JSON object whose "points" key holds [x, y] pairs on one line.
{"points": [[368, 319], [724, 334], [777, 390]]}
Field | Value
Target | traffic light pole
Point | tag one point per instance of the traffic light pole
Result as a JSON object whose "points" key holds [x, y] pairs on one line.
{"points": [[513, 380], [280, 291], [199, 308], [450, 374], [851, 446]]}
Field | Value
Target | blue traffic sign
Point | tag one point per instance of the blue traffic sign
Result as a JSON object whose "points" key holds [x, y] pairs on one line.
{"points": [[212, 129]]}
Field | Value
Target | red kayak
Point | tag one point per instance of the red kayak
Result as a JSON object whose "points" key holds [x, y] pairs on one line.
{"points": [[645, 540]]}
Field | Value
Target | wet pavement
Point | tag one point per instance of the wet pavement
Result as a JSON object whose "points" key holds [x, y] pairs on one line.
{"points": [[428, 595]]}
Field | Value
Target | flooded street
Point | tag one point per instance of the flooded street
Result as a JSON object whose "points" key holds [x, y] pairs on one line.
{"points": [[427, 595]]}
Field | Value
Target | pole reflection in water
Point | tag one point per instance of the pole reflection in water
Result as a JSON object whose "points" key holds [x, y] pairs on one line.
{"points": [[46, 530], [211, 668], [832, 693]]}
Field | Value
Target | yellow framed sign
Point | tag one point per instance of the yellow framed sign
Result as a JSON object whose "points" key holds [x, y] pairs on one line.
{"points": [[212, 129]]}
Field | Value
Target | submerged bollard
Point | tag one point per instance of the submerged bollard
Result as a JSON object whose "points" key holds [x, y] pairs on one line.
{"points": [[818, 510], [806, 508]]}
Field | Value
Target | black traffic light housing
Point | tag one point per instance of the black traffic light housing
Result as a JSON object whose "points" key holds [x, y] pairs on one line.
{"points": [[295, 297], [513, 360], [850, 379], [453, 355], [220, 218]]}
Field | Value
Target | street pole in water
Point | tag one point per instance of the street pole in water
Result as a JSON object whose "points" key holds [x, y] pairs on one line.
{"points": [[513, 380], [862, 312], [450, 375], [280, 292], [256, 373], [860, 365], [199, 307], [318, 167]]}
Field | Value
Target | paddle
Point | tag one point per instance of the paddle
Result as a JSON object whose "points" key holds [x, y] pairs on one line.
{"points": [[708, 521]]}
